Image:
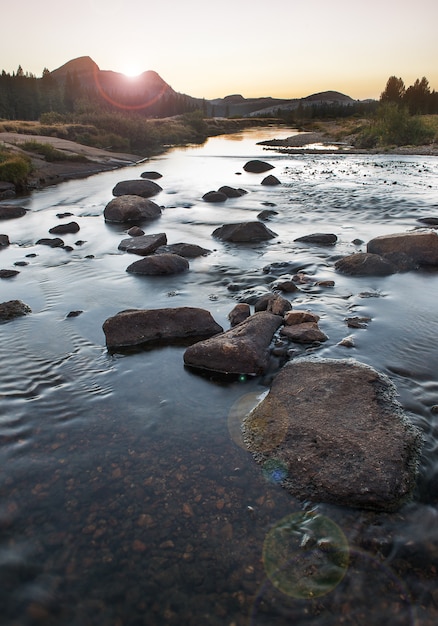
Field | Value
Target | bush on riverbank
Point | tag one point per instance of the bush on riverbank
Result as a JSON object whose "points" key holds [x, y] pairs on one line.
{"points": [[394, 126], [14, 168]]}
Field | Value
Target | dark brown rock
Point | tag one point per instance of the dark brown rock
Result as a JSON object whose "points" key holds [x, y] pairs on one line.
{"points": [[11, 211], [270, 181], [421, 247], [244, 232], [131, 208], [146, 326], [143, 244], [231, 192], [320, 238], [135, 231], [8, 273], [214, 196], [306, 332], [338, 429], [63, 229], [242, 350], [187, 250], [142, 187], [256, 166], [159, 265], [278, 305], [240, 313], [4, 241], [13, 308], [151, 175], [365, 264], [54, 242]]}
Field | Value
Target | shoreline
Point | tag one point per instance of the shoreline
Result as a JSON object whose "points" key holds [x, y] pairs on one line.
{"points": [[99, 160]]}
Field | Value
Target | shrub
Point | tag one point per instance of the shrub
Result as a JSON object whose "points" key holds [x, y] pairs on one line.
{"points": [[50, 153], [15, 169], [394, 126]]}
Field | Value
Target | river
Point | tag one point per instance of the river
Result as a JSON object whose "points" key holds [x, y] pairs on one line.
{"points": [[126, 496]]}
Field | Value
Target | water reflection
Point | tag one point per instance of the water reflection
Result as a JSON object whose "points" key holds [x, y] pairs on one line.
{"points": [[127, 496]]}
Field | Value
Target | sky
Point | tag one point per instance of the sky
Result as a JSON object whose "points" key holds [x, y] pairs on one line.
{"points": [[210, 49]]}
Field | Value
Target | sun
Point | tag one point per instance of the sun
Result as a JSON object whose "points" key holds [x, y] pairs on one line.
{"points": [[131, 71]]}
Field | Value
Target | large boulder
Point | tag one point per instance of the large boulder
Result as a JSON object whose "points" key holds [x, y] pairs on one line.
{"points": [[244, 349], [140, 327], [131, 208], [13, 308], [159, 265], [11, 211], [244, 232], [420, 246], [338, 434], [256, 166], [365, 264], [143, 244], [141, 187]]}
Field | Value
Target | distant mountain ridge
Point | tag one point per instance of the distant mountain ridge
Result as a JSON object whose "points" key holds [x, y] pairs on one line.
{"points": [[150, 85]]}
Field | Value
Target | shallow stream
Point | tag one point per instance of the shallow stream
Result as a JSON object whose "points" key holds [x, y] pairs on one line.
{"points": [[126, 497]]}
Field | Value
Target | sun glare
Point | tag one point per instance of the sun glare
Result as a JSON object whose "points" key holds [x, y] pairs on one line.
{"points": [[132, 71]]}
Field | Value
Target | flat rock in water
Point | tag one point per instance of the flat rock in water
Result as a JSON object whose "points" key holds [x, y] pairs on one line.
{"points": [[159, 265], [62, 229], [145, 326], [151, 175], [8, 273], [257, 167], [187, 250], [141, 187], [244, 232], [242, 350], [143, 244], [305, 332], [365, 264], [13, 308], [321, 238], [54, 242], [421, 247], [11, 211], [214, 196], [337, 433], [131, 208]]}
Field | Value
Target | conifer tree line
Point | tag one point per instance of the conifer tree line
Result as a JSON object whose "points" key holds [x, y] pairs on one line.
{"points": [[23, 96], [418, 98]]}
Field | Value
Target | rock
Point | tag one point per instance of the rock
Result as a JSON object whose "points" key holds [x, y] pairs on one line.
{"points": [[266, 214], [338, 429], [244, 232], [8, 273], [284, 284], [11, 211], [62, 229], [421, 247], [143, 188], [214, 196], [74, 313], [159, 265], [240, 313], [321, 238], [13, 308], [306, 332], [231, 192], [278, 305], [257, 167], [135, 231], [55, 242], [242, 350], [144, 326], [151, 175], [299, 317], [365, 264], [187, 250], [430, 221], [270, 181], [143, 244], [131, 208], [7, 190], [4, 241]]}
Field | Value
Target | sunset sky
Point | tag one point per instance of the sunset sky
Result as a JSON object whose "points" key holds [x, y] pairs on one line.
{"points": [[280, 48]]}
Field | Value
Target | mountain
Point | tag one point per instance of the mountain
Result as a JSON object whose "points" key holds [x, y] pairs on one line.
{"points": [[150, 92]]}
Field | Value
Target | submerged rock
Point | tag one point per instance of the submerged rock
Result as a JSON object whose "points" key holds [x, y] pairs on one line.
{"points": [[131, 208], [336, 427], [13, 308], [244, 232], [143, 244], [159, 265], [140, 327], [242, 350], [142, 187]]}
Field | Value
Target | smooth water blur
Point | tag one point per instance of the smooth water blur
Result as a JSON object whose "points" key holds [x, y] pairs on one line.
{"points": [[126, 495]]}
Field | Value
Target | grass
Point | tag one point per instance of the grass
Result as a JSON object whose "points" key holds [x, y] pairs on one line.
{"points": [[50, 153]]}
